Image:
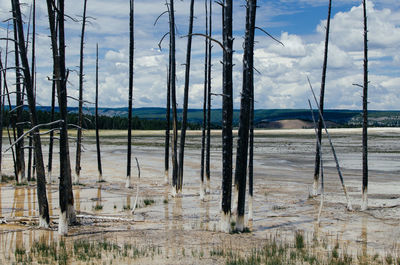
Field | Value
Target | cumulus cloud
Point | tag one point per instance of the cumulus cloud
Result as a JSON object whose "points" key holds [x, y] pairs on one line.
{"points": [[282, 82]]}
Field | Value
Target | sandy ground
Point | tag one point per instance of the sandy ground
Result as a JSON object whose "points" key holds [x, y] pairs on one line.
{"points": [[178, 226]]}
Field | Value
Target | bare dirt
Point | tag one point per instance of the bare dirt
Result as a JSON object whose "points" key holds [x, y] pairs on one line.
{"points": [[185, 230]]}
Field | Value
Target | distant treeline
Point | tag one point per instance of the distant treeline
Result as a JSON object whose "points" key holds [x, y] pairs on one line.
{"points": [[105, 122]]}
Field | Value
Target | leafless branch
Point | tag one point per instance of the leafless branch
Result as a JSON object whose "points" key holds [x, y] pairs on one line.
{"points": [[272, 37]]}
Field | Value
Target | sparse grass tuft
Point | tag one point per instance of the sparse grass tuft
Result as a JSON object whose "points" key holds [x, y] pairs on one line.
{"points": [[148, 202], [98, 207]]}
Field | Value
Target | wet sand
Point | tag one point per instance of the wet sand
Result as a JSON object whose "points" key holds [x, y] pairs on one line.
{"points": [[183, 228]]}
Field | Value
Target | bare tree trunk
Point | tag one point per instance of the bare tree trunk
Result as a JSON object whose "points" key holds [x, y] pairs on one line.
{"points": [[168, 118], [30, 176], [80, 113], [41, 178], [208, 144], [227, 113], [67, 211], [131, 51], [242, 146], [51, 137], [203, 131], [364, 205], [53, 103], [251, 145], [19, 147], [185, 100], [100, 178], [321, 103], [173, 94]]}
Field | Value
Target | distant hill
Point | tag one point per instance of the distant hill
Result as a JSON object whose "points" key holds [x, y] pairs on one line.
{"points": [[264, 118]]}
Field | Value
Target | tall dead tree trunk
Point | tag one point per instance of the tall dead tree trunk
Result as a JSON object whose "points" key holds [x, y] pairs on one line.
{"points": [[208, 142], [80, 113], [227, 115], [168, 118], [203, 129], [52, 111], [131, 50], [66, 199], [185, 100], [242, 146], [173, 98], [99, 169], [30, 176], [251, 144], [321, 104], [19, 147], [41, 178], [51, 137], [364, 205]]}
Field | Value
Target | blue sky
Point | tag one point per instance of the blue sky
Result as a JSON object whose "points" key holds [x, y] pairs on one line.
{"points": [[282, 82]]}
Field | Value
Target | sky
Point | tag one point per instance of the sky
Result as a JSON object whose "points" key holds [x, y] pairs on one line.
{"points": [[281, 81]]}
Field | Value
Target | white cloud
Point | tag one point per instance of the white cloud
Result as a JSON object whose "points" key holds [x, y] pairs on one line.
{"points": [[282, 82]]}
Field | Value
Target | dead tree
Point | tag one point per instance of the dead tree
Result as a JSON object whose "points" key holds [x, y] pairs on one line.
{"points": [[321, 103], [80, 113], [251, 144], [41, 179], [208, 142], [185, 100], [203, 129], [52, 112], [66, 199], [131, 50], [18, 122], [173, 98], [99, 169], [365, 116], [243, 134], [168, 119], [30, 175], [227, 115]]}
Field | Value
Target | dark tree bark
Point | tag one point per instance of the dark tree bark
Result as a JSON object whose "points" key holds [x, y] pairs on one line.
{"points": [[51, 137], [185, 100], [30, 176], [227, 113], [52, 112], [251, 144], [99, 169], [168, 118], [66, 199], [365, 116], [321, 103], [80, 113], [41, 179], [208, 143], [205, 95], [242, 146], [19, 147], [173, 98], [131, 51]]}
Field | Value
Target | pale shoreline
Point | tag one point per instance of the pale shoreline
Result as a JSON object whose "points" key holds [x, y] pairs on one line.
{"points": [[257, 132]]}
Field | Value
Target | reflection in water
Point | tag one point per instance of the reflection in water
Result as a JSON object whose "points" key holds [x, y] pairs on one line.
{"points": [[98, 202], [50, 200], [30, 210], [0, 203], [364, 235], [128, 201], [177, 225], [77, 198], [166, 217]]}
